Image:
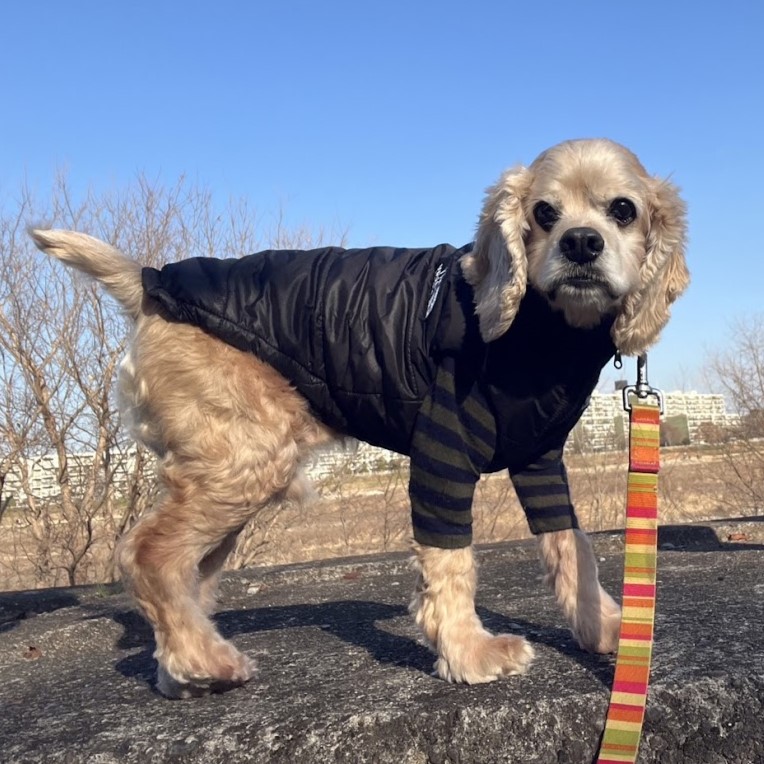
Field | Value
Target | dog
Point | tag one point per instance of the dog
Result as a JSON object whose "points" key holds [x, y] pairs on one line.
{"points": [[469, 360]]}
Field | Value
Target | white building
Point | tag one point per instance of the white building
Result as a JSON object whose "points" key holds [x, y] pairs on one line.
{"points": [[604, 423]]}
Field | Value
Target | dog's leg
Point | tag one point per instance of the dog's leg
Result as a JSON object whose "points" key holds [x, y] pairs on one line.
{"points": [[163, 561], [571, 572], [211, 569], [444, 609], [299, 491], [230, 433]]}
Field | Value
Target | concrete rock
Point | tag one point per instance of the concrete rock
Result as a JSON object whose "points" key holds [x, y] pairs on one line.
{"points": [[343, 678]]}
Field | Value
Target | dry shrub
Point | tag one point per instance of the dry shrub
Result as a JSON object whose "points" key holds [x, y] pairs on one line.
{"points": [[60, 347], [738, 370]]}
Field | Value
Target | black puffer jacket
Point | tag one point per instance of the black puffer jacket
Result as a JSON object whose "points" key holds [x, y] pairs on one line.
{"points": [[358, 331], [361, 333]]}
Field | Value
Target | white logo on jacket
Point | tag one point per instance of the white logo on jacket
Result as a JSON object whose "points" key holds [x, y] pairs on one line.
{"points": [[439, 274]]}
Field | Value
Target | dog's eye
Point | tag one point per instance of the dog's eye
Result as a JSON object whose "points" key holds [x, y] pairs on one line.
{"points": [[545, 215], [622, 211]]}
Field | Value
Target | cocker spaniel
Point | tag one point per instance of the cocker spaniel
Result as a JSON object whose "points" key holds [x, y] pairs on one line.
{"points": [[469, 360]]}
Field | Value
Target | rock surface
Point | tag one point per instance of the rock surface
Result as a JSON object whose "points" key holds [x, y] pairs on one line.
{"points": [[343, 678]]}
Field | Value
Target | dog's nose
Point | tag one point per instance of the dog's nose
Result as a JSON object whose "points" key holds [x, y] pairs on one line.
{"points": [[581, 245]]}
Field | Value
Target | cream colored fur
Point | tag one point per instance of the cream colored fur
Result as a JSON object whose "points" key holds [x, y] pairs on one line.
{"points": [[444, 609], [571, 572], [230, 433], [643, 263]]}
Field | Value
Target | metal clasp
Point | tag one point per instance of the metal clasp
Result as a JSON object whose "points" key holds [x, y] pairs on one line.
{"points": [[642, 389]]}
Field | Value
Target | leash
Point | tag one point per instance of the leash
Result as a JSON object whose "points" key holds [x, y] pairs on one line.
{"points": [[625, 716]]}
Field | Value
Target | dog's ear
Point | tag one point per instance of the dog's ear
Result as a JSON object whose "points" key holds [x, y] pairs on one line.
{"points": [[497, 266], [663, 274]]}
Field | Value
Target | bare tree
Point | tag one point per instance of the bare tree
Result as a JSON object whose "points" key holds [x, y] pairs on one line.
{"points": [[738, 370], [60, 347]]}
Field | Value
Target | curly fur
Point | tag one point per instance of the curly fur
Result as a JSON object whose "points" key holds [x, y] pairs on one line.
{"points": [[643, 264]]}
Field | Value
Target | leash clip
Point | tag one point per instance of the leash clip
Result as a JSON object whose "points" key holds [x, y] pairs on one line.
{"points": [[642, 389]]}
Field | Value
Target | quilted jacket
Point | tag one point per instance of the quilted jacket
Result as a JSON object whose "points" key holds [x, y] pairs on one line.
{"points": [[361, 333]]}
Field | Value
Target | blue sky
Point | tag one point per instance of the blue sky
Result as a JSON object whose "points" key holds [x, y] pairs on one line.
{"points": [[390, 119]]}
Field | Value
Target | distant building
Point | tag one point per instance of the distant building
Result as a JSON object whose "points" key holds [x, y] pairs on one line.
{"points": [[688, 418], [39, 477]]}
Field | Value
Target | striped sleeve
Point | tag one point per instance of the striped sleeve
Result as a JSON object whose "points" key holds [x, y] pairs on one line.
{"points": [[452, 441], [543, 491]]}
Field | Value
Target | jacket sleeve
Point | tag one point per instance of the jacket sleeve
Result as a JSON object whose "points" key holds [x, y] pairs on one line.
{"points": [[544, 494], [453, 439]]}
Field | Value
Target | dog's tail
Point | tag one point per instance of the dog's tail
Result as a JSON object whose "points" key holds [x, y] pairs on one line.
{"points": [[120, 275]]}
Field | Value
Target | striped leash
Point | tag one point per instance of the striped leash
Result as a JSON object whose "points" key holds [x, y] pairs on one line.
{"points": [[623, 728]]}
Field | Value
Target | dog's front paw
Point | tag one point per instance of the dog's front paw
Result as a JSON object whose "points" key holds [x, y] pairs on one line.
{"points": [[225, 669], [481, 658]]}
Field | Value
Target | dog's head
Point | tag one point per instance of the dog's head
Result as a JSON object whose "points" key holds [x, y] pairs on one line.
{"points": [[589, 229]]}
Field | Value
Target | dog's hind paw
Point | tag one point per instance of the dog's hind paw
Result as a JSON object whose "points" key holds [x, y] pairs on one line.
{"points": [[600, 634], [194, 686], [484, 658]]}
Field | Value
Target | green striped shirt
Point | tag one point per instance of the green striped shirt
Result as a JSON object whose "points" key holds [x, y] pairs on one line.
{"points": [[454, 441]]}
